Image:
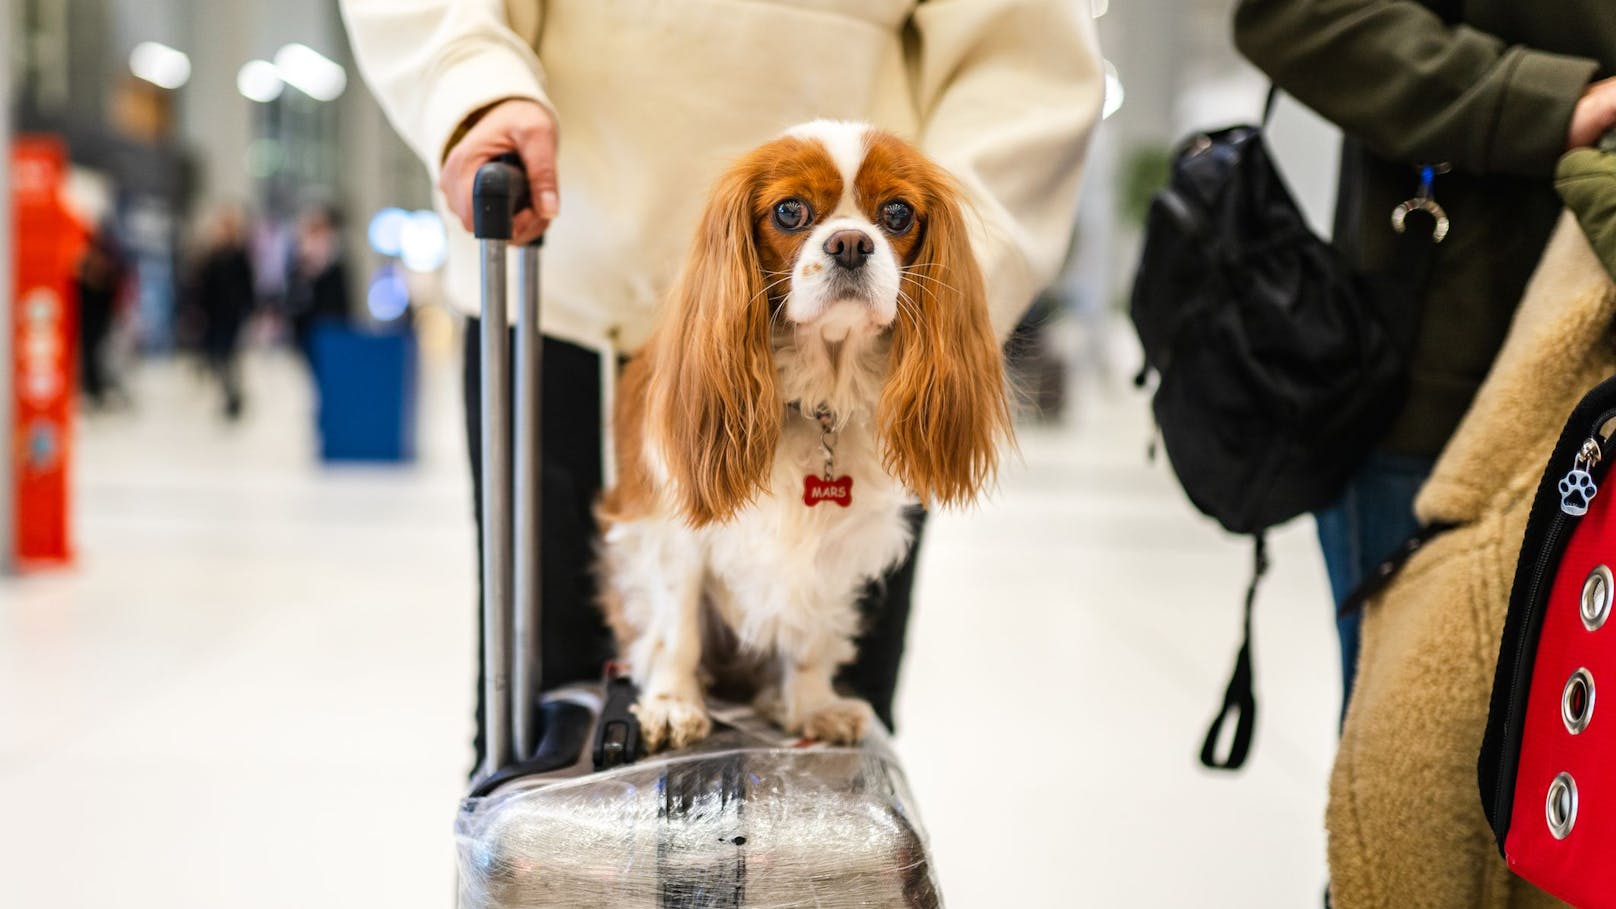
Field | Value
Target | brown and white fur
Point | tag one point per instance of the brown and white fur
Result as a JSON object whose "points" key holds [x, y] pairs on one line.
{"points": [[710, 556]]}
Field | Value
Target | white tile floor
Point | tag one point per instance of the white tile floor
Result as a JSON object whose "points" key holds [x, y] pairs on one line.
{"points": [[253, 689]]}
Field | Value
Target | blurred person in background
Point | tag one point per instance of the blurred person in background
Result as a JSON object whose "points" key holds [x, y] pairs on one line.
{"points": [[224, 298], [653, 99], [1494, 90], [317, 288], [103, 278]]}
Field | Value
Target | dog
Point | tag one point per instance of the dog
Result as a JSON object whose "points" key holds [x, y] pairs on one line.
{"points": [[824, 361]]}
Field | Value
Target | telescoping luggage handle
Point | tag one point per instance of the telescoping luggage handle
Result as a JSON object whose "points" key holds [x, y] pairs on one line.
{"points": [[510, 562]]}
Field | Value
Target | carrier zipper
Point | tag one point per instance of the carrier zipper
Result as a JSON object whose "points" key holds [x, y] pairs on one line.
{"points": [[1587, 458], [1550, 541]]}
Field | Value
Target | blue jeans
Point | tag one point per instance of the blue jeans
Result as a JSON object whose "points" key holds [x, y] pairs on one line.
{"points": [[1374, 515]]}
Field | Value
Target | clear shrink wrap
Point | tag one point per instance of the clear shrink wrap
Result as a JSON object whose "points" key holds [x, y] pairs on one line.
{"points": [[745, 819]]}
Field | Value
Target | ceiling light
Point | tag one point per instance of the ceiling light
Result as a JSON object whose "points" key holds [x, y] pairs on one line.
{"points": [[422, 243], [1113, 91], [159, 64], [259, 81], [386, 231], [307, 70], [389, 295]]}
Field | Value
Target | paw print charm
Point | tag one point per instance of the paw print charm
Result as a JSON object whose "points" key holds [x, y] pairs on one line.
{"points": [[1577, 490]]}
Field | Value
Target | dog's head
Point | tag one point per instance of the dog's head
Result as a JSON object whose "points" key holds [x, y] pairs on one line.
{"points": [[851, 234]]}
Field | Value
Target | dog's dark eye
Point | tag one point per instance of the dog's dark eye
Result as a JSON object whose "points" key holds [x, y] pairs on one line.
{"points": [[792, 214], [897, 217]]}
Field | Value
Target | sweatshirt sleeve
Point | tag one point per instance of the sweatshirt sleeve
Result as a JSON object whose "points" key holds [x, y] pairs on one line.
{"points": [[433, 63], [1413, 87], [1008, 93]]}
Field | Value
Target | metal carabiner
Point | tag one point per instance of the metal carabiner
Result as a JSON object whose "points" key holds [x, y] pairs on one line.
{"points": [[1423, 201]]}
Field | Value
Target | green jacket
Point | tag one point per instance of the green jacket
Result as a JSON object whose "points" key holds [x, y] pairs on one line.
{"points": [[1586, 179], [1487, 86]]}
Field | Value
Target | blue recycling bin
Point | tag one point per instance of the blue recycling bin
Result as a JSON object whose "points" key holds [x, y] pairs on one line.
{"points": [[367, 383]]}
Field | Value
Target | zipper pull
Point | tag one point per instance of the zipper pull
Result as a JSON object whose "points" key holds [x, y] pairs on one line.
{"points": [[1577, 488]]}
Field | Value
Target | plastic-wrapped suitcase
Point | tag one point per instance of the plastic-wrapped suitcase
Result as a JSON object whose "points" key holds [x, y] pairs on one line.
{"points": [[565, 813]]}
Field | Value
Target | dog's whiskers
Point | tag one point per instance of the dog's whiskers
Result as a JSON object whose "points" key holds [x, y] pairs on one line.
{"points": [[770, 286], [922, 276], [912, 311]]}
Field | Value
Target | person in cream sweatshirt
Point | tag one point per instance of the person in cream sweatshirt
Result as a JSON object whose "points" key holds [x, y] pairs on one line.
{"points": [[625, 111]]}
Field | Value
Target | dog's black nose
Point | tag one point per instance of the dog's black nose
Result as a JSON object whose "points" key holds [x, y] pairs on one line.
{"points": [[850, 248]]}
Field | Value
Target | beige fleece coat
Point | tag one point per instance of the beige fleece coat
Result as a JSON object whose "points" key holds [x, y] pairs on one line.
{"points": [[654, 97], [1406, 829]]}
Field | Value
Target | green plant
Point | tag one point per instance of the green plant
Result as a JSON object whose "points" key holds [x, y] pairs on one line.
{"points": [[1145, 172]]}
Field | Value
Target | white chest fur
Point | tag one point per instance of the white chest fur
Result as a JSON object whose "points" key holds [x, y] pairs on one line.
{"points": [[783, 567]]}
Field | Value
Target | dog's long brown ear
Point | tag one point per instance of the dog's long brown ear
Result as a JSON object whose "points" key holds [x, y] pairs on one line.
{"points": [[944, 411], [715, 409]]}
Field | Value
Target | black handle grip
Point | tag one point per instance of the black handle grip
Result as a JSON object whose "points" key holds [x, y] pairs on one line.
{"points": [[498, 192], [617, 735]]}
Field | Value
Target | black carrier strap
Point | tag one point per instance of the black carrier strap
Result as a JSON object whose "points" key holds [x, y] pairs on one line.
{"points": [[1401, 291], [1387, 570], [1239, 698]]}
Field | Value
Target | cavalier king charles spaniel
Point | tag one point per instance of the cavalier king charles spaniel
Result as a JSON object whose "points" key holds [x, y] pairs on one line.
{"points": [[824, 361]]}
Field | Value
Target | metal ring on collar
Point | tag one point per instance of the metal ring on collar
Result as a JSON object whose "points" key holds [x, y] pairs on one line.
{"points": [[1597, 594], [1561, 806], [1577, 701]]}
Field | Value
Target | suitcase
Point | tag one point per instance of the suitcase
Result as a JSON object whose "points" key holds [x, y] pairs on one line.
{"points": [[565, 813]]}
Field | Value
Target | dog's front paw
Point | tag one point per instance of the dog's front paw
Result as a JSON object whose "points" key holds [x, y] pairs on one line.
{"points": [[667, 721], [843, 721]]}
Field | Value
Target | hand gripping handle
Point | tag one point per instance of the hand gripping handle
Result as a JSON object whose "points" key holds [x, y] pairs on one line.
{"points": [[498, 192]]}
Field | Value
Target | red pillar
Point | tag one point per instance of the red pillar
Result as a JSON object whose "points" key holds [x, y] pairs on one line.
{"points": [[44, 341]]}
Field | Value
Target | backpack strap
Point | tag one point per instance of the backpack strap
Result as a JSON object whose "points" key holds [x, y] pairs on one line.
{"points": [[1239, 699]]}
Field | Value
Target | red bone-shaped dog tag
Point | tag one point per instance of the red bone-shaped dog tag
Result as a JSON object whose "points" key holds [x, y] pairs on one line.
{"points": [[815, 490]]}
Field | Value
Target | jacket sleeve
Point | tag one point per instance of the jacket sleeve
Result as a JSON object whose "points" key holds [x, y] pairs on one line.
{"points": [[1008, 93], [1413, 87], [434, 63]]}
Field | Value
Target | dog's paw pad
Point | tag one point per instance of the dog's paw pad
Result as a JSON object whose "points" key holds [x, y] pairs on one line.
{"points": [[844, 721], [670, 722]]}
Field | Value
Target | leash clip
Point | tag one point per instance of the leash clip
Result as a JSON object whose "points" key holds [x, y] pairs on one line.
{"points": [[1424, 201]]}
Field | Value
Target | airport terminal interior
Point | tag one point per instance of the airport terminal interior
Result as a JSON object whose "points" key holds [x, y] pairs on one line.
{"points": [[244, 677]]}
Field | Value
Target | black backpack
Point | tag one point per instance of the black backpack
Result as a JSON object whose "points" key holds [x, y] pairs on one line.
{"points": [[1279, 367]]}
